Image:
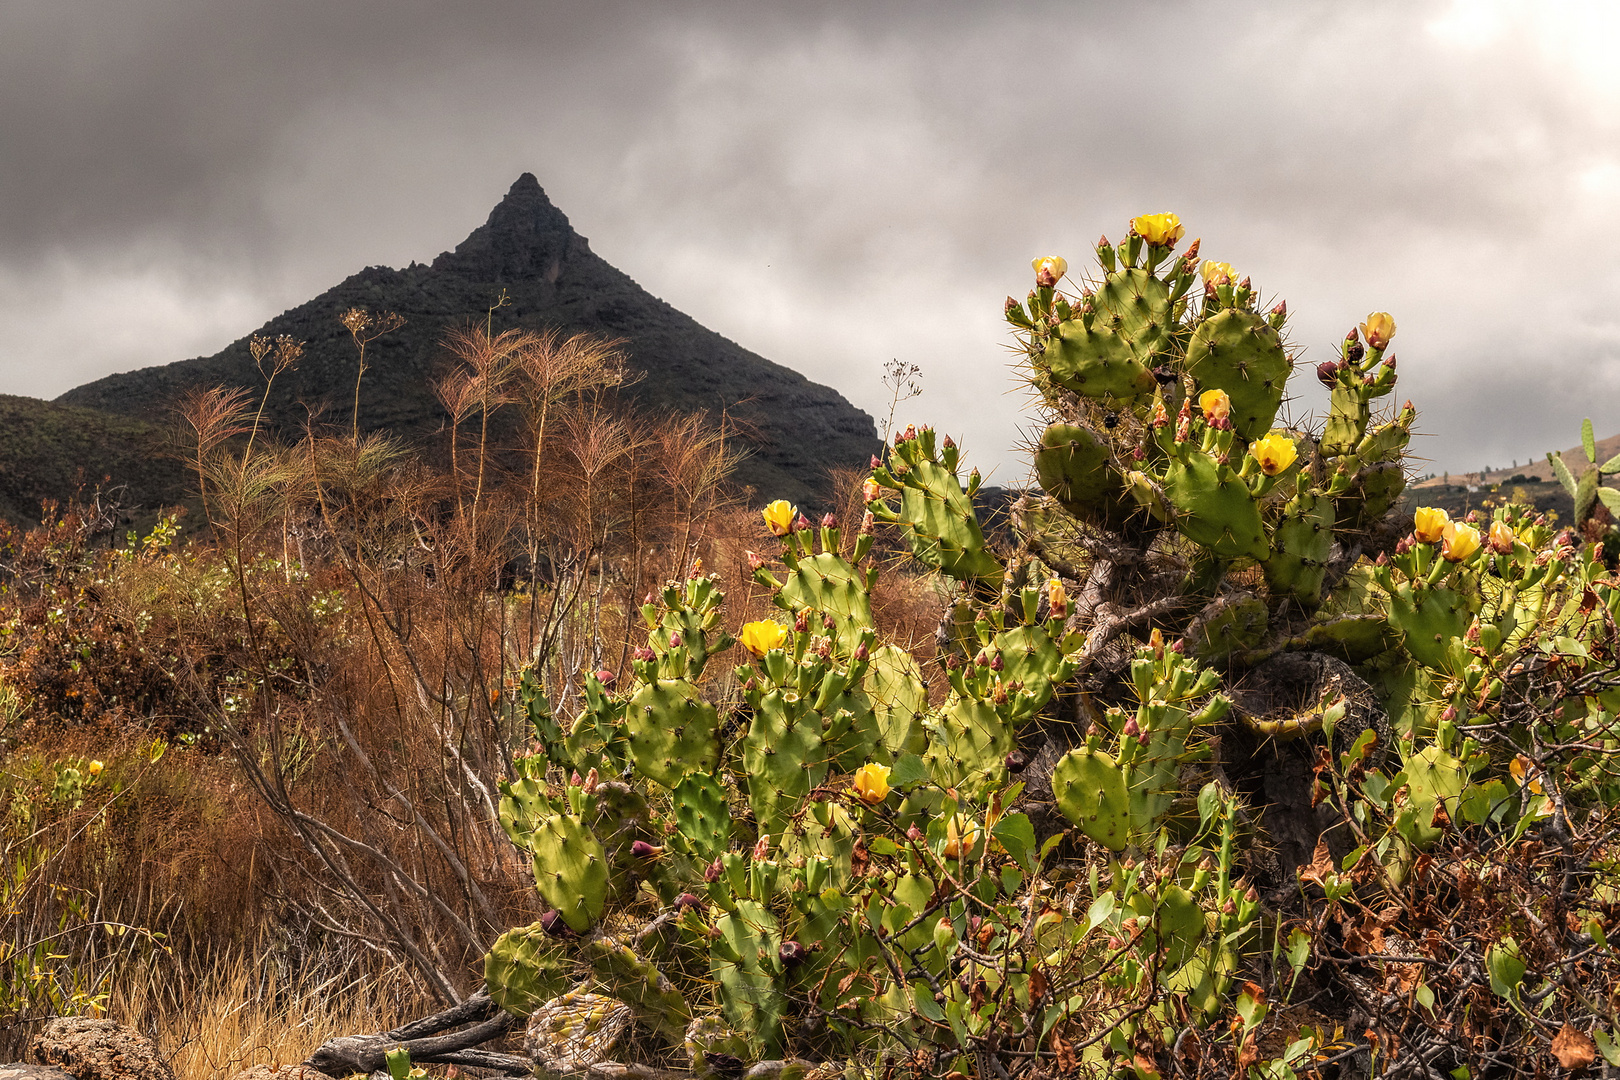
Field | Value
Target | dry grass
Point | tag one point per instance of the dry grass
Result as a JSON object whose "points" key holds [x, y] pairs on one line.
{"points": [[247, 1010]]}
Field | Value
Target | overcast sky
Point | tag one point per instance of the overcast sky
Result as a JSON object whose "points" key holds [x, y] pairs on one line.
{"points": [[833, 185]]}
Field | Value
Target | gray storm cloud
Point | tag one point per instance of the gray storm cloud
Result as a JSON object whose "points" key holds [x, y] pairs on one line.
{"points": [[834, 185]]}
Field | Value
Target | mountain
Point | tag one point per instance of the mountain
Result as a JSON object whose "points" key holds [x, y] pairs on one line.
{"points": [[795, 430]]}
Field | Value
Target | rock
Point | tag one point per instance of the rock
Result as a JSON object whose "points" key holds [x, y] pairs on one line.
{"points": [[98, 1050], [33, 1072], [285, 1072]]}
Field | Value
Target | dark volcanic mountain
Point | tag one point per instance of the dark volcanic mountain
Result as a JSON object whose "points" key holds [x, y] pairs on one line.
{"points": [[795, 429]]}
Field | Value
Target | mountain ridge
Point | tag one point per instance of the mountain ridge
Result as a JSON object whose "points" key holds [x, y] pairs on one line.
{"points": [[796, 429]]}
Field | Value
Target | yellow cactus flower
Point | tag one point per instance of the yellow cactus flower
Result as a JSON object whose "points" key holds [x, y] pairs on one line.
{"points": [[872, 783], [1378, 329], [1275, 452], [1160, 229], [1214, 272], [761, 637], [960, 836], [779, 517], [1458, 541], [1058, 598], [1429, 523], [95, 768], [1521, 767], [1049, 269], [1216, 405], [871, 491], [1500, 538]]}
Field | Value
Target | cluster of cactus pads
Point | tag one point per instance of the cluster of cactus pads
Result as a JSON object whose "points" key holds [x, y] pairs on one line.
{"points": [[854, 873]]}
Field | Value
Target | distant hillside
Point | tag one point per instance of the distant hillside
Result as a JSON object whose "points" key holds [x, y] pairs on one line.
{"points": [[794, 429], [50, 451]]}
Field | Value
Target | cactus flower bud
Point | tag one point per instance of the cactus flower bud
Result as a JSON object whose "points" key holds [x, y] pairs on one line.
{"points": [[606, 677], [876, 462], [676, 641], [1378, 329], [829, 520], [1012, 307], [1216, 405], [1229, 907], [1275, 452], [983, 659], [1132, 728], [867, 521], [779, 517], [1252, 894], [1501, 538], [997, 663], [588, 785], [1389, 362], [645, 851], [791, 953], [872, 783], [576, 780], [1049, 270], [960, 836], [907, 435], [862, 653], [1405, 544], [688, 902], [642, 655], [801, 622], [754, 560], [712, 874], [801, 523], [1280, 309], [1429, 523], [1327, 373], [552, 923], [871, 490], [761, 637], [1217, 273], [1458, 542], [763, 848], [1161, 230]]}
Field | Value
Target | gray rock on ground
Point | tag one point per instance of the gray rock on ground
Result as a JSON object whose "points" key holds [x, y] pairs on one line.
{"points": [[89, 1049], [33, 1072]]}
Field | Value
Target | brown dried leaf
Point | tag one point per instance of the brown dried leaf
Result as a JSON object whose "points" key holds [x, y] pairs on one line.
{"points": [[1573, 1049], [1064, 1049], [1247, 1056], [1321, 865]]}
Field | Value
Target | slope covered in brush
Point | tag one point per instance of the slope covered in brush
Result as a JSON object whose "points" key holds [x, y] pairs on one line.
{"points": [[793, 429]]}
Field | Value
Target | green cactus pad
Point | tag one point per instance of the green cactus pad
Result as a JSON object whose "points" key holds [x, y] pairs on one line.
{"points": [[899, 696], [1349, 409], [942, 525], [827, 584], [1300, 549], [672, 731], [1096, 363], [784, 757], [524, 968], [1214, 507], [522, 806], [702, 814], [1373, 492], [1179, 922], [1072, 465], [624, 974], [570, 869], [1136, 305], [1238, 351], [743, 959], [1433, 778], [968, 746], [1429, 621], [618, 816], [1031, 657], [1229, 624], [1090, 790]]}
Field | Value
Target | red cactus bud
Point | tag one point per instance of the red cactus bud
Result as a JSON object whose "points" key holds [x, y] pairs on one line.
{"points": [[1281, 309], [792, 953], [1132, 728], [1178, 646], [801, 523], [876, 462], [642, 655], [763, 848], [1405, 544], [950, 443], [712, 874], [1327, 373], [862, 653], [1450, 715], [688, 902], [1382, 560], [754, 560], [1252, 895], [643, 850], [1016, 761], [1230, 907], [801, 621], [552, 923], [909, 434], [1244, 284], [914, 834], [1010, 306], [996, 663], [1102, 241], [1472, 517], [606, 677], [829, 520], [982, 660], [576, 780], [675, 640], [953, 662], [649, 598], [1389, 362]]}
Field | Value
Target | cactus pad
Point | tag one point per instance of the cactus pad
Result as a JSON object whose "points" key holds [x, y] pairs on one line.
{"points": [[672, 731], [1214, 507], [524, 968], [570, 869], [1090, 790], [1238, 351]]}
